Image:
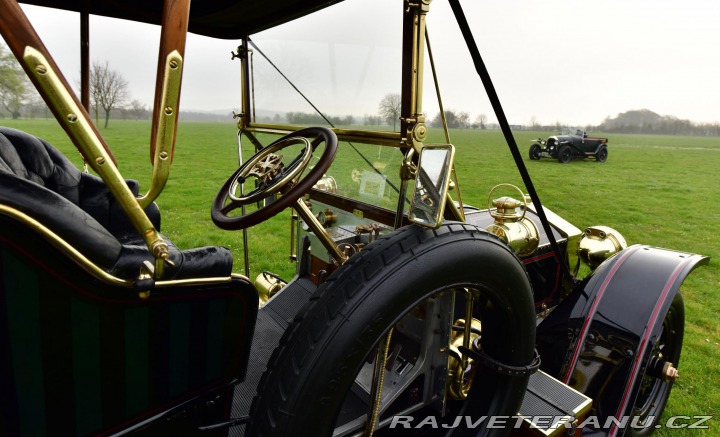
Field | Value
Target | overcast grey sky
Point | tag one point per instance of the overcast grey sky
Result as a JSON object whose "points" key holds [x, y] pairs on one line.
{"points": [[571, 61]]}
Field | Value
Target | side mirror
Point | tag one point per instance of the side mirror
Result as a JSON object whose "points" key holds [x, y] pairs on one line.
{"points": [[431, 185]]}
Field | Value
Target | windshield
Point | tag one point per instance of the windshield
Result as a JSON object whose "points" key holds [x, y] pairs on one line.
{"points": [[368, 173], [331, 69], [573, 131]]}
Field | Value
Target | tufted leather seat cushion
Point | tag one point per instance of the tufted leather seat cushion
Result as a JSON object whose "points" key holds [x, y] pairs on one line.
{"points": [[38, 180]]}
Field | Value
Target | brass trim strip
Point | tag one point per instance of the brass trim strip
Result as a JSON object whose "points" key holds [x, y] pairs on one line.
{"points": [[317, 228], [165, 135], [391, 139], [198, 281], [87, 141], [65, 247], [92, 268]]}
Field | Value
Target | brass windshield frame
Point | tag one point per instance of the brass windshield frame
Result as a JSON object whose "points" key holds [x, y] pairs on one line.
{"points": [[413, 130]]}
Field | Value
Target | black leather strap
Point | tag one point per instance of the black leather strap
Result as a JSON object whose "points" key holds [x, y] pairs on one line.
{"points": [[504, 369], [505, 127]]}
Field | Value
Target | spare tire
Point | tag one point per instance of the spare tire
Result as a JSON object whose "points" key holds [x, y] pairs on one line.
{"points": [[314, 382]]}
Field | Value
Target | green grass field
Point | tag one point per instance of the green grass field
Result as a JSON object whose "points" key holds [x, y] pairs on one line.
{"points": [[657, 190]]}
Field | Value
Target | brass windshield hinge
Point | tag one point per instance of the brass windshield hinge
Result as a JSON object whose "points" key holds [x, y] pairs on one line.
{"points": [[241, 53], [422, 5]]}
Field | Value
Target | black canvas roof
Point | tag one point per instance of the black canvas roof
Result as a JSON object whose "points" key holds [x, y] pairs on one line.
{"points": [[227, 19]]}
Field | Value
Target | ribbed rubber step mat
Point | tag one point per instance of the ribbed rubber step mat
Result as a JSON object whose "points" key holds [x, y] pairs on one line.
{"points": [[549, 398], [272, 321]]}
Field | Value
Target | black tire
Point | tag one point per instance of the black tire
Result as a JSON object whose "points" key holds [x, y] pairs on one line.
{"points": [[654, 392], [602, 154], [535, 150], [318, 358], [564, 154]]}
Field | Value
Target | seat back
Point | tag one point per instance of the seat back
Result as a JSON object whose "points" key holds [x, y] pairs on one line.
{"points": [[81, 355], [39, 181]]}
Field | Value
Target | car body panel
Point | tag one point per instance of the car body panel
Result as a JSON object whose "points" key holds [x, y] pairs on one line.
{"points": [[599, 338]]}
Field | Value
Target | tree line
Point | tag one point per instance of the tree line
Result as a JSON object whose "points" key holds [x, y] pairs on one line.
{"points": [[15, 89], [110, 96], [644, 121], [108, 92]]}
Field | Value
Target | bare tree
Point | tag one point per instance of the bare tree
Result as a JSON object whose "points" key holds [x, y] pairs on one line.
{"points": [[15, 88], [137, 110], [108, 89], [36, 107], [454, 119], [463, 119], [481, 120], [390, 108]]}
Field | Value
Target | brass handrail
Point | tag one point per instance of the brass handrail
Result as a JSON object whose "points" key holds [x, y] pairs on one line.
{"points": [[27, 47]]}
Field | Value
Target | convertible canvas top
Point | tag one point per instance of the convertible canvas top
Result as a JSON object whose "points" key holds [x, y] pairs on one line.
{"points": [[227, 19]]}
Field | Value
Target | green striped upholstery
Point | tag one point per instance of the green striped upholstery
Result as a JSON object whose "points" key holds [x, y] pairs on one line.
{"points": [[80, 357]]}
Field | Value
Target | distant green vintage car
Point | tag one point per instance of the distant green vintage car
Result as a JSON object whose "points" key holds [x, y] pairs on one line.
{"points": [[568, 146]]}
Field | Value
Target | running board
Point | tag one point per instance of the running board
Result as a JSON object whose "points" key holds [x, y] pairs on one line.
{"points": [[551, 408], [271, 323]]}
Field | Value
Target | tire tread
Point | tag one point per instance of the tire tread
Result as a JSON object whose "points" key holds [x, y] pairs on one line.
{"points": [[324, 308]]}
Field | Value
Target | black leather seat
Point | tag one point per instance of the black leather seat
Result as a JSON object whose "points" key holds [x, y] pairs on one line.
{"points": [[41, 182]]}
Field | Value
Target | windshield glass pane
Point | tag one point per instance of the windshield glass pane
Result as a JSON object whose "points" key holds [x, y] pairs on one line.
{"points": [[344, 66], [368, 173]]}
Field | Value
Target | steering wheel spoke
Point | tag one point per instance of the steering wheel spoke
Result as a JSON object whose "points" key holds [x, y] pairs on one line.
{"points": [[230, 207], [274, 176]]}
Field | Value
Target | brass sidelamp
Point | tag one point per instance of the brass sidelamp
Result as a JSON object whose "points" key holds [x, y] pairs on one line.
{"points": [[598, 244], [519, 231]]}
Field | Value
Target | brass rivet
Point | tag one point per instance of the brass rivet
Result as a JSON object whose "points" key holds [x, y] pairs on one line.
{"points": [[100, 160], [173, 64], [163, 155], [72, 118], [168, 110], [41, 69]]}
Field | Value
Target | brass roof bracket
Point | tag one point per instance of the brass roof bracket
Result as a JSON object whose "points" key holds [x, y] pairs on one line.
{"points": [[166, 128]]}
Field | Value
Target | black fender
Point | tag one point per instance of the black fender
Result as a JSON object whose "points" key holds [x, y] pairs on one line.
{"points": [[597, 148], [599, 338]]}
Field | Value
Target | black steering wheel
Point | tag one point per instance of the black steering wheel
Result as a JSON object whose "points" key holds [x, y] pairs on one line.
{"points": [[267, 167]]}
